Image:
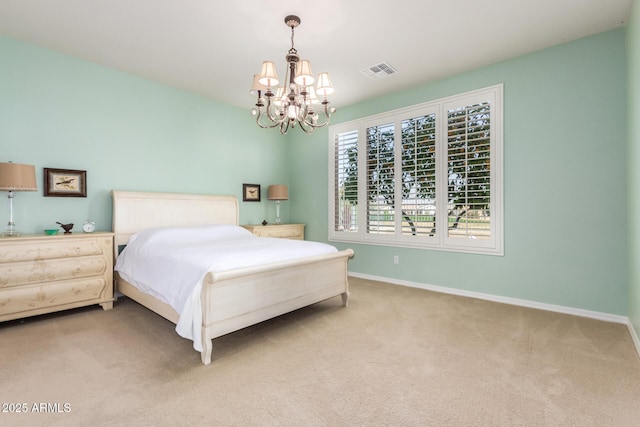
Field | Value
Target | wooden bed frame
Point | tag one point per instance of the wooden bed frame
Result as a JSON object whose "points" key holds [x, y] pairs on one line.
{"points": [[233, 299]]}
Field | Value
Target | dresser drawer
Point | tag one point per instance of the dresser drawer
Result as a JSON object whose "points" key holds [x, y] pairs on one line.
{"points": [[27, 300], [52, 249], [49, 270]]}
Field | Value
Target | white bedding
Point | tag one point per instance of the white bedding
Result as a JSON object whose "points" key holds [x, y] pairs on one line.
{"points": [[170, 263]]}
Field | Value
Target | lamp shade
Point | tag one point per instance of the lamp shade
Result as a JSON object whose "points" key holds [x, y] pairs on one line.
{"points": [[324, 85], [268, 76], [17, 177], [278, 192], [304, 76], [257, 86]]}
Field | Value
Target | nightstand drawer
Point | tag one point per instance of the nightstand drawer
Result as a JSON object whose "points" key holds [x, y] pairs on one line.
{"points": [[283, 231]]}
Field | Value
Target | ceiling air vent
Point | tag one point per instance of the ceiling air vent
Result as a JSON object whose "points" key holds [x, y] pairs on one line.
{"points": [[379, 71]]}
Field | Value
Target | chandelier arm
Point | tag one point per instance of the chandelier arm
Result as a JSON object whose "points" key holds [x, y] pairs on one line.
{"points": [[270, 125], [327, 115], [303, 110], [258, 115], [276, 120], [327, 119], [269, 110], [306, 126], [307, 120], [284, 127], [265, 126], [316, 125]]}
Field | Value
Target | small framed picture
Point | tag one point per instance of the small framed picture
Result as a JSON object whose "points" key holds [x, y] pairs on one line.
{"points": [[250, 192], [65, 183]]}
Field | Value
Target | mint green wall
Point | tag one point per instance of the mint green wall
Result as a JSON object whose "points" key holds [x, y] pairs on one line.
{"points": [[633, 58], [128, 133], [565, 200], [565, 154]]}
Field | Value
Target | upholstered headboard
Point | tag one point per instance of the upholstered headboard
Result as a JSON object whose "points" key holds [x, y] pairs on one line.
{"points": [[136, 211]]}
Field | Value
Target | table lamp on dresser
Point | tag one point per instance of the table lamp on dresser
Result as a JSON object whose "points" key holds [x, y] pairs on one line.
{"points": [[278, 192], [16, 177]]}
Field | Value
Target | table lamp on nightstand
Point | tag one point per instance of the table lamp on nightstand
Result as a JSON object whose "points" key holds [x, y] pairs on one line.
{"points": [[16, 177], [278, 192]]}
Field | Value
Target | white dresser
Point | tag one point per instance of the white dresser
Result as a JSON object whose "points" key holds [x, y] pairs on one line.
{"points": [[41, 274]]}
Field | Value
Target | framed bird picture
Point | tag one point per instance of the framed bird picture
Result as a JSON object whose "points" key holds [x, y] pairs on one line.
{"points": [[250, 192], [65, 183]]}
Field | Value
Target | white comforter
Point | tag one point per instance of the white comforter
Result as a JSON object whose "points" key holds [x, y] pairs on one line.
{"points": [[170, 263]]}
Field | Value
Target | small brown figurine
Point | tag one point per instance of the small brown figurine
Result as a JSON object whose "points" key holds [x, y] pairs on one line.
{"points": [[66, 227]]}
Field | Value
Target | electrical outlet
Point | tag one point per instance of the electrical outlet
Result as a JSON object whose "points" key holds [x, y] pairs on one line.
{"points": [[396, 259]]}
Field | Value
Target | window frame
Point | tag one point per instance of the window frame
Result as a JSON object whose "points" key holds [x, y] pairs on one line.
{"points": [[441, 240]]}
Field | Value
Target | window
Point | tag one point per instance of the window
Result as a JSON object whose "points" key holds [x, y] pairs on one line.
{"points": [[427, 176]]}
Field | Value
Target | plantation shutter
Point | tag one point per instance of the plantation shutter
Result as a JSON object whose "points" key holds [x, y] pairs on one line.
{"points": [[380, 179], [346, 182], [419, 176], [469, 171]]}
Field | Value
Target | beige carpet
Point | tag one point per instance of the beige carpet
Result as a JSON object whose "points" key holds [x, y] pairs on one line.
{"points": [[396, 356]]}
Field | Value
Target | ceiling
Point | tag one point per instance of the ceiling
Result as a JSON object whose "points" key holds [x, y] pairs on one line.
{"points": [[213, 47]]}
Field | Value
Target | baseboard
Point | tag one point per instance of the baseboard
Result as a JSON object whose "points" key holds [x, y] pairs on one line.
{"points": [[607, 317], [634, 336]]}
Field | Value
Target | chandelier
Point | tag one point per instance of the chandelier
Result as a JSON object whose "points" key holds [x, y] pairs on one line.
{"points": [[296, 100]]}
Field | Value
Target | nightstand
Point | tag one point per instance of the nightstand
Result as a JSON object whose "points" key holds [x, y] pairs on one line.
{"points": [[42, 274], [284, 231]]}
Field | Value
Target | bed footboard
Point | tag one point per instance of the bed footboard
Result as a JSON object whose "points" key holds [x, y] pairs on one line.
{"points": [[236, 299]]}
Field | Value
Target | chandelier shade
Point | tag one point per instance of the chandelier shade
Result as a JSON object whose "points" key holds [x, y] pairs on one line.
{"points": [[295, 102], [268, 76], [257, 86], [304, 76], [324, 85]]}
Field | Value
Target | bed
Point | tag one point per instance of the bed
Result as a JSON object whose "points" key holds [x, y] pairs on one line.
{"points": [[223, 301]]}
